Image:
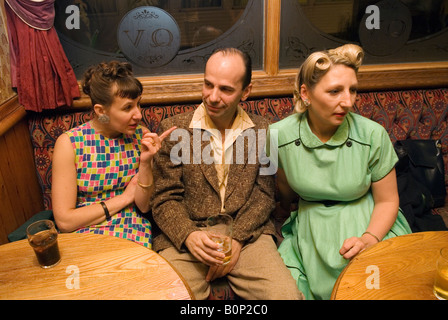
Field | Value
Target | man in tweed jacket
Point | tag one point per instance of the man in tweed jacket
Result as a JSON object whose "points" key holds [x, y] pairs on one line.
{"points": [[203, 170]]}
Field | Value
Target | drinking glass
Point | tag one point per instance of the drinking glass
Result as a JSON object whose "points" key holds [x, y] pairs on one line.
{"points": [[43, 238], [220, 229], [441, 279]]}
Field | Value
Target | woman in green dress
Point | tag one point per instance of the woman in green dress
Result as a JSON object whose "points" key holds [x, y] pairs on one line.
{"points": [[341, 165]]}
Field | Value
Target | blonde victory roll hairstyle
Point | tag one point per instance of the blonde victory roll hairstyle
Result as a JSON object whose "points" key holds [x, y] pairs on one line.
{"points": [[318, 64]]}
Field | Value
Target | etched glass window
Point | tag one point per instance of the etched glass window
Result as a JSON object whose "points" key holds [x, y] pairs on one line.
{"points": [[390, 31], [159, 37]]}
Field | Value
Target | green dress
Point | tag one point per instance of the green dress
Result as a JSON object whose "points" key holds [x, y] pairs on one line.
{"points": [[333, 181]]}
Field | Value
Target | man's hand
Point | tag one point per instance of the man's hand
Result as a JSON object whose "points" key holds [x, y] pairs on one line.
{"points": [[219, 271], [204, 249]]}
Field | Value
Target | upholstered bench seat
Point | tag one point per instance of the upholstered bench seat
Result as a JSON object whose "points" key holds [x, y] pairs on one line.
{"points": [[411, 114]]}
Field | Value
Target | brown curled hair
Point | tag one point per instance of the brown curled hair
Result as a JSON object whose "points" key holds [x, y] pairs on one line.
{"points": [[107, 80]]}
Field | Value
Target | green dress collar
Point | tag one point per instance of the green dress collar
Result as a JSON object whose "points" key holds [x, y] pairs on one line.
{"points": [[310, 140]]}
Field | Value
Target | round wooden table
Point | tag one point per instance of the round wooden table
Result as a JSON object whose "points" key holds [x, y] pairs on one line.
{"points": [[92, 267], [400, 268]]}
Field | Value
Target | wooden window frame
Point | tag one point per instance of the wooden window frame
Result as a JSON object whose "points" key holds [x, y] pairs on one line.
{"points": [[272, 81]]}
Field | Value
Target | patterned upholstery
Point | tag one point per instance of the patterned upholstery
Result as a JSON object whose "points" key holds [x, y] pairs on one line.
{"points": [[414, 114], [46, 128]]}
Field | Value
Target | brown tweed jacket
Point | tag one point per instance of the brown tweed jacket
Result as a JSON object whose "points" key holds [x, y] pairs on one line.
{"points": [[187, 193]]}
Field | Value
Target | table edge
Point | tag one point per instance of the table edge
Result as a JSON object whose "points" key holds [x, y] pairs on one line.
{"points": [[341, 275], [92, 235]]}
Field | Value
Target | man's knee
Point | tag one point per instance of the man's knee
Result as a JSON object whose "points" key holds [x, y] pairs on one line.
{"points": [[262, 274]]}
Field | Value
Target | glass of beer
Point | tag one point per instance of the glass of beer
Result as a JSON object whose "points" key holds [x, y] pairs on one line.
{"points": [[441, 279], [220, 228], [43, 238]]}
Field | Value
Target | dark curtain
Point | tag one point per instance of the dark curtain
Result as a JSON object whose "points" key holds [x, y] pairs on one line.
{"points": [[40, 70]]}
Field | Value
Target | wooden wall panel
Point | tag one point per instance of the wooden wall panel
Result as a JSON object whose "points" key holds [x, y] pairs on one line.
{"points": [[20, 192]]}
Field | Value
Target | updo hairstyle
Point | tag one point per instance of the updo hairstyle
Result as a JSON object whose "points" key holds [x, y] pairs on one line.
{"points": [[319, 63], [107, 80]]}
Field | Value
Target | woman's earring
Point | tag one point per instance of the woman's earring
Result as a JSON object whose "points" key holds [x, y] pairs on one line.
{"points": [[306, 102], [103, 118]]}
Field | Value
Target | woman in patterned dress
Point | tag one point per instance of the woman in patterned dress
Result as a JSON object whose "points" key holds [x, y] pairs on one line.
{"points": [[102, 169]]}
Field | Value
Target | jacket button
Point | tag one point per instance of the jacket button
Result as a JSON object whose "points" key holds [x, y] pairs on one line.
{"points": [[348, 143], [297, 142]]}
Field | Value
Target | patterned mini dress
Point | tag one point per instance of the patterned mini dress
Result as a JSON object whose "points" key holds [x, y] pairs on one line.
{"points": [[104, 168]]}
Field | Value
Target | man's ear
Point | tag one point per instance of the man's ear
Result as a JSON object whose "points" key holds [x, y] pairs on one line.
{"points": [[246, 92]]}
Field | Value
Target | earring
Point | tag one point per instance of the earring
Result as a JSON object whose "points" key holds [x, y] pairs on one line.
{"points": [[306, 102], [103, 118]]}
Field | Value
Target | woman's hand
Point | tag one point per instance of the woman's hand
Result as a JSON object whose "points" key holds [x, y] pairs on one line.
{"points": [[384, 214], [151, 143], [354, 245], [129, 191]]}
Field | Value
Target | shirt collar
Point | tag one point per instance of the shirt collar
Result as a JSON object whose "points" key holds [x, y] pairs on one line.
{"points": [[310, 140], [201, 120]]}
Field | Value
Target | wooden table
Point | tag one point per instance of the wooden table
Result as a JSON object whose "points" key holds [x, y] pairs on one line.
{"points": [[92, 267], [400, 268]]}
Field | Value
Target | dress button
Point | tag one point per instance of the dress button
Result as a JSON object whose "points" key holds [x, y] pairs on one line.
{"points": [[348, 143], [297, 142]]}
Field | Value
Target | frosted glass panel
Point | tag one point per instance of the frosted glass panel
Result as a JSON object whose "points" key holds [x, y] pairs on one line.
{"points": [[159, 37], [392, 31]]}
